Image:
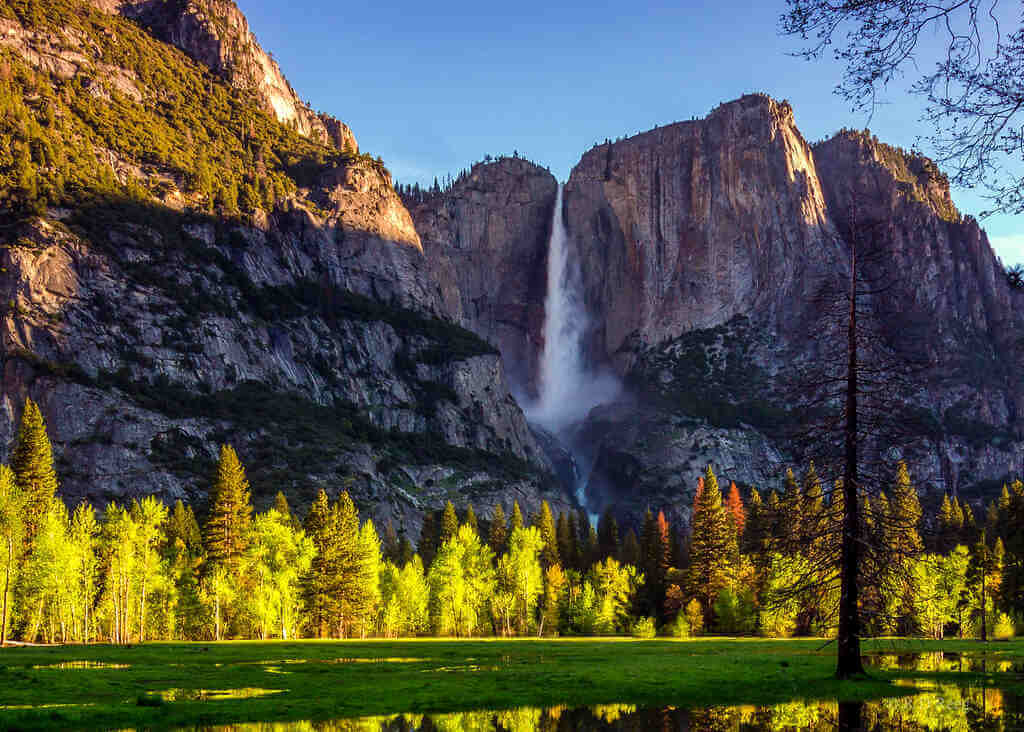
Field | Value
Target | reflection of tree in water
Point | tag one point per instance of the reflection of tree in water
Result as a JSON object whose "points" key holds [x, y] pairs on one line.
{"points": [[936, 707]]}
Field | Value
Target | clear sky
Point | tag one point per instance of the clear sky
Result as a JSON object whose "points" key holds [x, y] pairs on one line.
{"points": [[433, 87]]}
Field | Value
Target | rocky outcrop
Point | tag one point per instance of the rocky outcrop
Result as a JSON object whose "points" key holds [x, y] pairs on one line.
{"points": [[152, 325], [294, 306], [216, 33], [700, 245], [485, 241], [686, 226], [658, 454]]}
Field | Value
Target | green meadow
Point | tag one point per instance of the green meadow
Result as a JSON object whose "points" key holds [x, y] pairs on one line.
{"points": [[187, 684]]}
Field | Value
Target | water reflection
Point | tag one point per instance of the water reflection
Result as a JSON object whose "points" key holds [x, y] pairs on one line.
{"points": [[945, 707], [945, 661]]}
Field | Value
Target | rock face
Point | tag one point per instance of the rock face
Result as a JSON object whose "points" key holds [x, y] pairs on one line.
{"points": [[216, 34], [700, 245], [292, 304], [310, 335], [686, 226], [485, 242]]}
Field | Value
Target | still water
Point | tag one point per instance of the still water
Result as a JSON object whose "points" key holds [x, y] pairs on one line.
{"points": [[935, 706]]}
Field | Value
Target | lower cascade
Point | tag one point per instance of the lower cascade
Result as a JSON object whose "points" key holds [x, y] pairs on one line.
{"points": [[568, 389]]}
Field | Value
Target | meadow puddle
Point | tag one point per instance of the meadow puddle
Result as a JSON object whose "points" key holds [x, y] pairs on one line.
{"points": [[945, 661], [935, 707], [174, 695], [81, 664]]}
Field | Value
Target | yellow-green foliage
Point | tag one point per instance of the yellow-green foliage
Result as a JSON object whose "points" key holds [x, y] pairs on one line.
{"points": [[1004, 629], [212, 139]]}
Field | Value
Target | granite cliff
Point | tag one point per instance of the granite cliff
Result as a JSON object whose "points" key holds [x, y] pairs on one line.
{"points": [[485, 241], [701, 243], [700, 246], [186, 261], [216, 34], [192, 255]]}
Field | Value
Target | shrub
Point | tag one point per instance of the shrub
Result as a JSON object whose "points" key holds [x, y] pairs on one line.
{"points": [[735, 614], [1003, 628], [643, 628], [695, 616], [678, 628]]}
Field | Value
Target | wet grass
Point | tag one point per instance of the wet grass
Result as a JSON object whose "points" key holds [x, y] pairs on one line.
{"points": [[169, 684]]}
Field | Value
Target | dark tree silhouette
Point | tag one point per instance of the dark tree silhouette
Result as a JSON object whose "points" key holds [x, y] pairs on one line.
{"points": [[849, 390]]}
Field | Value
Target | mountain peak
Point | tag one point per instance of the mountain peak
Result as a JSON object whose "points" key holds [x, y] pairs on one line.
{"points": [[216, 34]]}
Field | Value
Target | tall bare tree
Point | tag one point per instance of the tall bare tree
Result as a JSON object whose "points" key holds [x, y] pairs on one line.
{"points": [[850, 388]]}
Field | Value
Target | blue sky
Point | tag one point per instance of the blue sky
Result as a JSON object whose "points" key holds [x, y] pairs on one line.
{"points": [[433, 87]]}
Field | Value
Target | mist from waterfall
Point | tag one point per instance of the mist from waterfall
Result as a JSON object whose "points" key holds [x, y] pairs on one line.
{"points": [[567, 388]]}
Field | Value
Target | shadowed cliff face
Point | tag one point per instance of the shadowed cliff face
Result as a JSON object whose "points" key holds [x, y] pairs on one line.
{"points": [[485, 241], [152, 325]]}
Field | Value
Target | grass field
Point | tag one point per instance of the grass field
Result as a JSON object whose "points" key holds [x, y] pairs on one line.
{"points": [[169, 684]]}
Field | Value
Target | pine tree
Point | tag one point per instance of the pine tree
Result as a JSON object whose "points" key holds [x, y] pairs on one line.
{"points": [[182, 532], [405, 552], [607, 535], [947, 534], [588, 550], [230, 513], [471, 521], [32, 463], [647, 531], [565, 544], [429, 534], [449, 522], [366, 579], [791, 511], [980, 568], [712, 545], [498, 537], [317, 584], [349, 584], [630, 553], [516, 520], [284, 511], [959, 516], [755, 535], [572, 556], [969, 532], [734, 511], [1002, 527], [905, 513], [546, 524], [773, 522], [992, 518], [657, 552], [389, 543]]}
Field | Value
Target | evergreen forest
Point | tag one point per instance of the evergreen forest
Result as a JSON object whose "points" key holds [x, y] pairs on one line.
{"points": [[754, 564]]}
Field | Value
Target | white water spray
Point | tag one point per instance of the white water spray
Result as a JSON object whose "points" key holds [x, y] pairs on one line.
{"points": [[567, 389]]}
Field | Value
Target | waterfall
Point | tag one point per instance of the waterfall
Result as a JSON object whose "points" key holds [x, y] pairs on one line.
{"points": [[567, 388]]}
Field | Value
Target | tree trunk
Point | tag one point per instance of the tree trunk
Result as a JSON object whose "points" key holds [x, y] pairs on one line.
{"points": [[850, 716], [7, 592], [848, 661], [984, 634], [142, 615]]}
